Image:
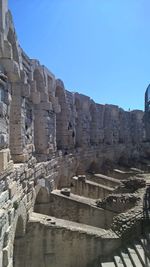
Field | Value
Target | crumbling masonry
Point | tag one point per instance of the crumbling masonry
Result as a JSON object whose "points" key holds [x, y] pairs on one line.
{"points": [[54, 145]]}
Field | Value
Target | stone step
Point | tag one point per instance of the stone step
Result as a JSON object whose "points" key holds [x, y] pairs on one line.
{"points": [[147, 236], [125, 258], [108, 264], [146, 246], [134, 257], [105, 180], [118, 261], [99, 185], [141, 254]]}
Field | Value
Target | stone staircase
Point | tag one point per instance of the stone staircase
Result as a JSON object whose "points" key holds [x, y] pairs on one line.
{"points": [[136, 254]]}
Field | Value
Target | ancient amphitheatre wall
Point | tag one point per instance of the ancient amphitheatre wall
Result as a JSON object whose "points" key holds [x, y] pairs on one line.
{"points": [[48, 135]]}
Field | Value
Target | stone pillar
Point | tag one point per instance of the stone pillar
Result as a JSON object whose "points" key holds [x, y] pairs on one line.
{"points": [[5, 99], [65, 120], [3, 10], [94, 124], [147, 114], [83, 120], [44, 113], [17, 122]]}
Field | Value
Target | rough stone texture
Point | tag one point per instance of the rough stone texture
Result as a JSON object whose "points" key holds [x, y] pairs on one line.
{"points": [[75, 208], [44, 117], [103, 179], [89, 189], [118, 202], [76, 244], [131, 185], [47, 136]]}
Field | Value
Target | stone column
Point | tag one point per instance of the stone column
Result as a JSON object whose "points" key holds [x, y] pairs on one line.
{"points": [[65, 120], [17, 122], [5, 99], [3, 10]]}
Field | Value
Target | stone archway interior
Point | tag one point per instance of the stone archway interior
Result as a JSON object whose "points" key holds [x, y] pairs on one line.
{"points": [[19, 245], [42, 201]]}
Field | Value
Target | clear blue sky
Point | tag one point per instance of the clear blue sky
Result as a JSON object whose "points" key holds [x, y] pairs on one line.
{"points": [[100, 48]]}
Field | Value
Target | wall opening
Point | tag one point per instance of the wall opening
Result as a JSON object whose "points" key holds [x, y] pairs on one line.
{"points": [[42, 201], [19, 245], [39, 80], [62, 120]]}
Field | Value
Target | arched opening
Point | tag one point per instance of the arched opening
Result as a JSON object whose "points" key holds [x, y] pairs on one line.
{"points": [[39, 80], [94, 167], [94, 130], [19, 245], [79, 128], [39, 131], [62, 133], [42, 201]]}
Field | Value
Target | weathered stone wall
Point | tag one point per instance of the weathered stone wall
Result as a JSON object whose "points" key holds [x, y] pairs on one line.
{"points": [[47, 136], [89, 189], [18, 190], [65, 243], [74, 208], [44, 117]]}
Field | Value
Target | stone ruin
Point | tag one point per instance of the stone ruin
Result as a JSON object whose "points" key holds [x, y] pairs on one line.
{"points": [[59, 153]]}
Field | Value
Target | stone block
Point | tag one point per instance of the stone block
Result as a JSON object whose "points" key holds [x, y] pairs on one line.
{"points": [[3, 109], [8, 50], [29, 196], [11, 214], [41, 182], [44, 96], [57, 107], [20, 158], [4, 159], [30, 186], [5, 257], [1, 44], [3, 140], [25, 90], [30, 148], [29, 173], [35, 97], [3, 221], [12, 189], [2, 186], [33, 87], [12, 67], [4, 197], [65, 191], [6, 238], [46, 106]]}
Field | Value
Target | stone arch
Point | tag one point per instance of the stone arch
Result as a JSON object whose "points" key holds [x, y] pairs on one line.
{"points": [[19, 227], [51, 88], [93, 167], [60, 92], [107, 166], [39, 130], [38, 77], [62, 119], [78, 103], [94, 131], [42, 196], [19, 244], [42, 200]]}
